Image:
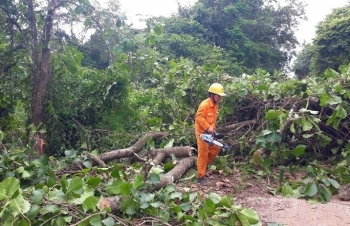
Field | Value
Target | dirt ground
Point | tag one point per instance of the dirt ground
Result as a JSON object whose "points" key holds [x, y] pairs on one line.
{"points": [[275, 210]]}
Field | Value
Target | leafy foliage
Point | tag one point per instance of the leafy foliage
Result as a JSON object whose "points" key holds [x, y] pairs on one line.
{"points": [[253, 34], [76, 199], [331, 42], [301, 66]]}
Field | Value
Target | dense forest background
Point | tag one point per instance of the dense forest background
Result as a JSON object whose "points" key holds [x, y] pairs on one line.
{"points": [[62, 98]]}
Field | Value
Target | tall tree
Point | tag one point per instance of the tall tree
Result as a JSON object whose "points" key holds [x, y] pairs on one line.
{"points": [[33, 24], [253, 33], [332, 43], [302, 63]]}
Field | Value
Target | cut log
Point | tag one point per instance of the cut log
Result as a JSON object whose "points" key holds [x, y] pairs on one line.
{"points": [[161, 154], [177, 172]]}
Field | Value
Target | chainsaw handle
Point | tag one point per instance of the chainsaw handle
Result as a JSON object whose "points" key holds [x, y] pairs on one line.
{"points": [[214, 135], [210, 130]]}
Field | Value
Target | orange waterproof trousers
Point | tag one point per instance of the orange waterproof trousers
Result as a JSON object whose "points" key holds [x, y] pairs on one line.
{"points": [[206, 154]]}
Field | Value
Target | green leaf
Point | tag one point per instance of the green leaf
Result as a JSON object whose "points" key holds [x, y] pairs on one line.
{"points": [[287, 191], [309, 190], [156, 170], [19, 205], [330, 73], [154, 178], [44, 160], [292, 128], [215, 197], [176, 195], [94, 181], [329, 99], [84, 145], [95, 220], [8, 187], [306, 124], [26, 174], [262, 87], [138, 182], [90, 203], [146, 197], [298, 150], [251, 215], [158, 30], [209, 206], [232, 219], [185, 206], [152, 40], [51, 179], [226, 201], [170, 143], [147, 42], [243, 219], [168, 166], [114, 188], [125, 188], [334, 183], [156, 204], [116, 172], [54, 209], [306, 136], [87, 164], [109, 221], [75, 184], [33, 212], [324, 194], [273, 114], [37, 196], [340, 112], [128, 206], [87, 192]]}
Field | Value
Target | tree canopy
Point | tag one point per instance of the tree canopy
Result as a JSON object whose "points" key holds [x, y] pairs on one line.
{"points": [[330, 47], [253, 34]]}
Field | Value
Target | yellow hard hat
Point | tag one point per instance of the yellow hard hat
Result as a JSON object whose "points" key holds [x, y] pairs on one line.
{"points": [[217, 89]]}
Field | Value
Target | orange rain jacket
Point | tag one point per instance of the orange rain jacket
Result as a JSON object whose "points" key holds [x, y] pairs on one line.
{"points": [[206, 116]]}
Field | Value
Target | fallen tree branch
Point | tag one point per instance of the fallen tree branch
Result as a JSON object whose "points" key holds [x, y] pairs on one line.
{"points": [[161, 154], [97, 159], [100, 162], [115, 154], [177, 172], [237, 125]]}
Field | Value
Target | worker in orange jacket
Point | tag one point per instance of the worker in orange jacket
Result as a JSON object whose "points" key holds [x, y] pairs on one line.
{"points": [[205, 121]]}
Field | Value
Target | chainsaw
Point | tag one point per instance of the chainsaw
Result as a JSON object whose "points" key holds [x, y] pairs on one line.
{"points": [[211, 139]]}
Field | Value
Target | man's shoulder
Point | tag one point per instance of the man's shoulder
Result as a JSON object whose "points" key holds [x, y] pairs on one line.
{"points": [[204, 103]]}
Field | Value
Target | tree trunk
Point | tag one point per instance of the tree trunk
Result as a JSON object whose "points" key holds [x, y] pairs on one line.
{"points": [[41, 65]]}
